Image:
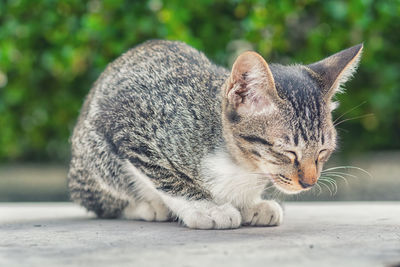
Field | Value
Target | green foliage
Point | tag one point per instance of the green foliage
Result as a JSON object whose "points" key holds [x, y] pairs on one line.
{"points": [[52, 51]]}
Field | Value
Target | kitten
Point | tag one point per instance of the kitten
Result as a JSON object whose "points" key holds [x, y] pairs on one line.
{"points": [[166, 133]]}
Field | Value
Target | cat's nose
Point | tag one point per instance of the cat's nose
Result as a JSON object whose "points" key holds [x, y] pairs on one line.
{"points": [[308, 174], [305, 185]]}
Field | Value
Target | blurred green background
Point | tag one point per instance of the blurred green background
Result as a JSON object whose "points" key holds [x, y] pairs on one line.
{"points": [[52, 51]]}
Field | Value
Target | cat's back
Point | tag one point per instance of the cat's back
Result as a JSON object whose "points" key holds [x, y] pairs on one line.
{"points": [[157, 72], [163, 94], [158, 77], [158, 65]]}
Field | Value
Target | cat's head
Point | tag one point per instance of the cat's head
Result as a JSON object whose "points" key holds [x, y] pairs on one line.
{"points": [[277, 119]]}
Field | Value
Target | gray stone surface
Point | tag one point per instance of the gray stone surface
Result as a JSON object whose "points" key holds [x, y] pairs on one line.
{"points": [[313, 234]]}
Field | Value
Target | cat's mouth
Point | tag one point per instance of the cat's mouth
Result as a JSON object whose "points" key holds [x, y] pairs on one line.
{"points": [[290, 185]]}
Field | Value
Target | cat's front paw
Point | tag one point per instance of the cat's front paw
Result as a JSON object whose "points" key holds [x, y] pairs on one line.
{"points": [[214, 217], [264, 213]]}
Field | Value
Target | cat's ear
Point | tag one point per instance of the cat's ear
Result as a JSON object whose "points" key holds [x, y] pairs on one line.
{"points": [[332, 72], [251, 86]]}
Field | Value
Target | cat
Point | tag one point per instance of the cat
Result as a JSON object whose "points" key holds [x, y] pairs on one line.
{"points": [[166, 134]]}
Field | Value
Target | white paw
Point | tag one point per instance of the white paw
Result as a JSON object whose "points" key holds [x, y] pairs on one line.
{"points": [[147, 211], [264, 213], [212, 217]]}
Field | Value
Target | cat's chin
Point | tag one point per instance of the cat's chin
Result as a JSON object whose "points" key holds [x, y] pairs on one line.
{"points": [[289, 191]]}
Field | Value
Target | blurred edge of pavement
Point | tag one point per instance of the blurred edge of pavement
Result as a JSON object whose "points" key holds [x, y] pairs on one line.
{"points": [[41, 182]]}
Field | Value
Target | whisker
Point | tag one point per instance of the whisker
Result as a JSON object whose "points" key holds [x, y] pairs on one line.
{"points": [[282, 196], [339, 176], [332, 182], [349, 167], [271, 186], [277, 194], [330, 191], [341, 129], [350, 110], [274, 193], [354, 118], [341, 173], [312, 191], [319, 189], [330, 185]]}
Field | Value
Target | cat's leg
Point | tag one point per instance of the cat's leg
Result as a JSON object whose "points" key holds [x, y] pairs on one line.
{"points": [[193, 213], [96, 177], [145, 210], [148, 207], [262, 213], [98, 181], [230, 183], [204, 214], [92, 193]]}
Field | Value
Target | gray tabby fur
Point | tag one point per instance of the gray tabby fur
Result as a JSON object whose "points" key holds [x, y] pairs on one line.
{"points": [[162, 108]]}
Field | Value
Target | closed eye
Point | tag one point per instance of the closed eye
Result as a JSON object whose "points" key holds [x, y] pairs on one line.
{"points": [[282, 158], [323, 155], [292, 155], [255, 139]]}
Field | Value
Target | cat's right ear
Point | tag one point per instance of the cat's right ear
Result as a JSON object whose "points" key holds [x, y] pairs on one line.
{"points": [[332, 72], [251, 86]]}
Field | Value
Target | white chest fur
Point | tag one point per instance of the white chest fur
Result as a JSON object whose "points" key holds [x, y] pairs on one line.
{"points": [[230, 183]]}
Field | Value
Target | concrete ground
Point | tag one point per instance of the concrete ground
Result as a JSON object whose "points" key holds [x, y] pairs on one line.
{"points": [[313, 234]]}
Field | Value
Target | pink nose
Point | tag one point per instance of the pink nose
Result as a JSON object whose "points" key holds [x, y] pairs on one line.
{"points": [[308, 174]]}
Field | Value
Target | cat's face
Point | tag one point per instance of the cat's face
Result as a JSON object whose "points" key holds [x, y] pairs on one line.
{"points": [[289, 148], [277, 119]]}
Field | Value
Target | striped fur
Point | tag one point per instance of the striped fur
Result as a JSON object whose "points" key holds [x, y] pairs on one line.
{"points": [[166, 132]]}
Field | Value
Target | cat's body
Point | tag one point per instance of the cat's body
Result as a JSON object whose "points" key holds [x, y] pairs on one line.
{"points": [[158, 136]]}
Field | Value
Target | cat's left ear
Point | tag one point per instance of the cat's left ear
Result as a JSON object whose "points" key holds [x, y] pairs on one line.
{"points": [[332, 72]]}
